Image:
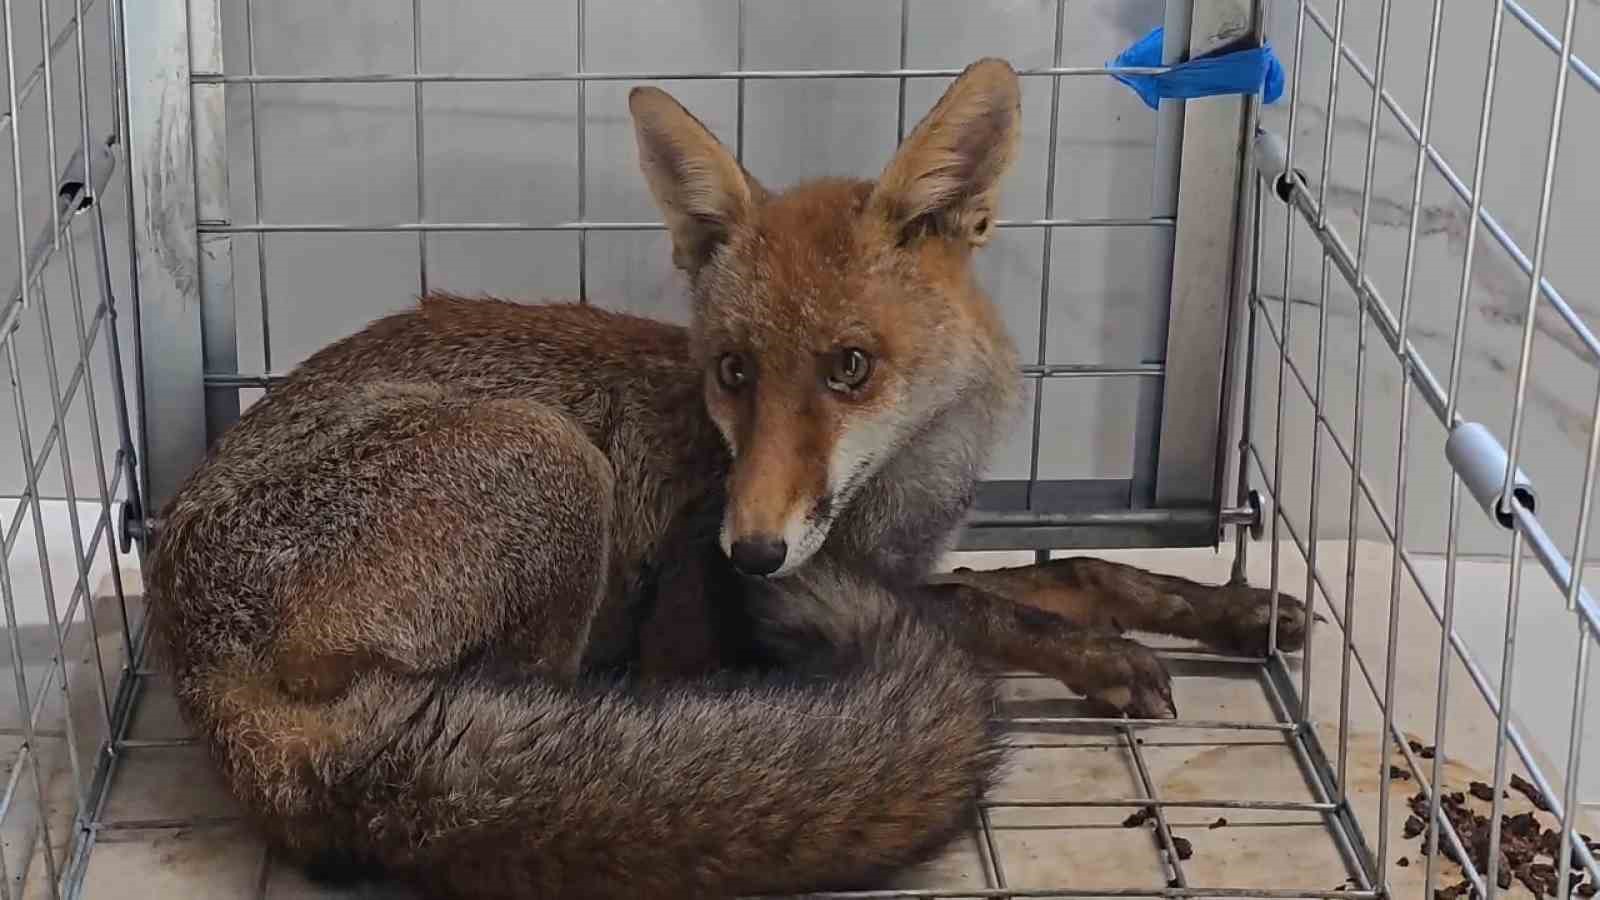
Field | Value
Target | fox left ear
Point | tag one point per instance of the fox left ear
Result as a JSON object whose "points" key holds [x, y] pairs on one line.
{"points": [[945, 177]]}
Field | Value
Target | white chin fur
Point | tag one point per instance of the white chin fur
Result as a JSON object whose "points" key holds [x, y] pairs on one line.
{"points": [[804, 536]]}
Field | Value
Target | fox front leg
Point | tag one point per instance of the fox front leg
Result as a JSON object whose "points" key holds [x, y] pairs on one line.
{"points": [[1235, 617], [1113, 671]]}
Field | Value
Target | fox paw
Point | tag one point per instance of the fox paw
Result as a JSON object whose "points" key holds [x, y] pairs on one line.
{"points": [[1125, 678], [1244, 619]]}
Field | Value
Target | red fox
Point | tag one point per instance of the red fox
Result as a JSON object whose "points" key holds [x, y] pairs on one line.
{"points": [[547, 601]]}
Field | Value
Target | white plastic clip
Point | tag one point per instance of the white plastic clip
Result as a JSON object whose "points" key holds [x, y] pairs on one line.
{"points": [[1476, 455]]}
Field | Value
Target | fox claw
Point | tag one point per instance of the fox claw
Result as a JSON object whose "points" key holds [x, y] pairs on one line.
{"points": [[1245, 625], [1135, 685], [1118, 703]]}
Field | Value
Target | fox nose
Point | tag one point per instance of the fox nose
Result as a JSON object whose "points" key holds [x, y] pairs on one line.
{"points": [[759, 555]]}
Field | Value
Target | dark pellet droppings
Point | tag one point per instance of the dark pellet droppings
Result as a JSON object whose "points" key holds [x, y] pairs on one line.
{"points": [[1482, 791], [1145, 814], [1184, 848], [1413, 827], [1540, 878], [1528, 789], [1522, 825]]}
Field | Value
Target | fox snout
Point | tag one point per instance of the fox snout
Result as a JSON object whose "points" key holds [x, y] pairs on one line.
{"points": [[799, 462], [778, 549], [774, 540], [779, 509], [759, 555]]}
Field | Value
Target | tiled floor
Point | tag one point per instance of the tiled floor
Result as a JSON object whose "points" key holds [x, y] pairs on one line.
{"points": [[169, 830]]}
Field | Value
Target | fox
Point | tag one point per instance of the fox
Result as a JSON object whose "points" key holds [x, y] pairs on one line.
{"points": [[522, 600]]}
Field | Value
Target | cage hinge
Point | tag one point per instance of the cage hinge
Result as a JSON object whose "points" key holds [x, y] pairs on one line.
{"points": [[136, 527]]}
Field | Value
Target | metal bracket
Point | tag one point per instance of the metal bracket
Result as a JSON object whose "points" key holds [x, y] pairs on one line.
{"points": [[161, 125], [1256, 506], [1207, 238], [1250, 516]]}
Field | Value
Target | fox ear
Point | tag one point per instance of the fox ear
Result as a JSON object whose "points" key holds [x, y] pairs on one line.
{"points": [[945, 177], [701, 189]]}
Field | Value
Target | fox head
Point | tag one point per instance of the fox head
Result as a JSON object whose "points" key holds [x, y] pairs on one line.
{"points": [[833, 320]]}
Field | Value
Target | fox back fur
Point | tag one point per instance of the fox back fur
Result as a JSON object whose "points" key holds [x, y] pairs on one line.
{"points": [[540, 601]]}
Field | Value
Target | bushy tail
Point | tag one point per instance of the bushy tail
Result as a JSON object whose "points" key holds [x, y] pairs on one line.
{"points": [[482, 789]]}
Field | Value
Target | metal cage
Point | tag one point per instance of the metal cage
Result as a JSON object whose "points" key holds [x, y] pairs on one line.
{"points": [[1229, 311]]}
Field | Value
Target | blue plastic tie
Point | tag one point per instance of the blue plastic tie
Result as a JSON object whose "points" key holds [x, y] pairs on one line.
{"points": [[1251, 71]]}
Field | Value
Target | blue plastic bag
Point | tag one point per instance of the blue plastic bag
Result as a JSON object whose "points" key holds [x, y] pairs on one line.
{"points": [[1240, 72]]}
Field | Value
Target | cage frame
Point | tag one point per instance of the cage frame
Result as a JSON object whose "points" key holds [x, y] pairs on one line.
{"points": [[168, 152]]}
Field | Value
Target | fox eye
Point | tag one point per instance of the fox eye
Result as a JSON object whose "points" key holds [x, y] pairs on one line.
{"points": [[731, 372], [851, 368]]}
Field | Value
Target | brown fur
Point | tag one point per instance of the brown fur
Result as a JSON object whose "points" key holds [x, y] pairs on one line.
{"points": [[450, 603]]}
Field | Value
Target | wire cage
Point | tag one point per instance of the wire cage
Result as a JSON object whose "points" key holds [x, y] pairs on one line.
{"points": [[1337, 345]]}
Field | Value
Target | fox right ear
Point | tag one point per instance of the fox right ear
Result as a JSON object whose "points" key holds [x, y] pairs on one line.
{"points": [[701, 189], [945, 177]]}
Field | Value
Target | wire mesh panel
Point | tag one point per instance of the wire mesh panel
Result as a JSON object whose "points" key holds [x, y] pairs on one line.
{"points": [[66, 469], [1423, 414]]}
